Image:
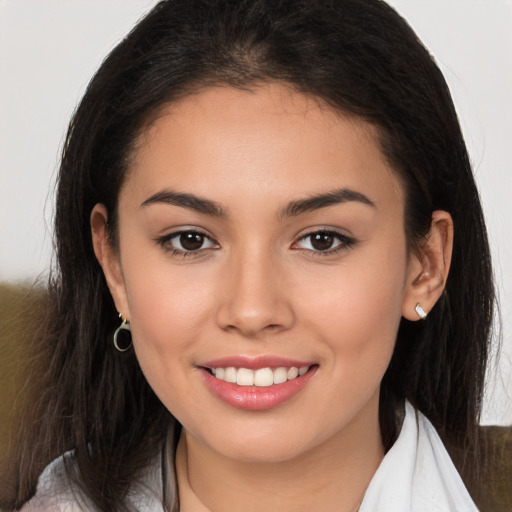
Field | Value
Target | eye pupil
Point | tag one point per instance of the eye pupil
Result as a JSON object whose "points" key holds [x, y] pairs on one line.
{"points": [[191, 241], [322, 241]]}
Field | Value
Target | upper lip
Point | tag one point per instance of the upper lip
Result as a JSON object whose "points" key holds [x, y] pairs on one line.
{"points": [[255, 363]]}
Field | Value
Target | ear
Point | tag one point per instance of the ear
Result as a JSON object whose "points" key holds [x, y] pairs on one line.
{"points": [[428, 267], [108, 259]]}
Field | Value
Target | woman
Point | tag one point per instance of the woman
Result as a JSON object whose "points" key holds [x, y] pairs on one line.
{"points": [[276, 200]]}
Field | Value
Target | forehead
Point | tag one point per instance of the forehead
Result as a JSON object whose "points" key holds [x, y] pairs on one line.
{"points": [[269, 140]]}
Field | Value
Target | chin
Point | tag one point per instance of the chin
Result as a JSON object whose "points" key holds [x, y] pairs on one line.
{"points": [[263, 451]]}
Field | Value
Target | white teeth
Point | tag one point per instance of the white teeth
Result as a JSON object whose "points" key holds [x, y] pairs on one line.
{"points": [[263, 377], [230, 374], [280, 375], [293, 372], [245, 377]]}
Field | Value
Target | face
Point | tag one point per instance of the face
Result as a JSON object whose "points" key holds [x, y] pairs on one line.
{"points": [[261, 241]]}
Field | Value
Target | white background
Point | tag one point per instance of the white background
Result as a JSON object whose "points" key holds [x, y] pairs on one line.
{"points": [[49, 49]]}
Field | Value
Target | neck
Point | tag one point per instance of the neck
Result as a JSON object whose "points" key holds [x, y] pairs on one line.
{"points": [[332, 477]]}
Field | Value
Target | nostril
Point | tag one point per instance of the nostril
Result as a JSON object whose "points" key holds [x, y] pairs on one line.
{"points": [[250, 314]]}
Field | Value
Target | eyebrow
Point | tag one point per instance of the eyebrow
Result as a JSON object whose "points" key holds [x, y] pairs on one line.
{"points": [[190, 201], [323, 200], [292, 209]]}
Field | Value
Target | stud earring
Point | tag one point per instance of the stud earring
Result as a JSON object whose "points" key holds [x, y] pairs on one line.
{"points": [[421, 312], [123, 336]]}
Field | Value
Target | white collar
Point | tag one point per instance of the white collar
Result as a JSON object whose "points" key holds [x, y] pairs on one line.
{"points": [[417, 474]]}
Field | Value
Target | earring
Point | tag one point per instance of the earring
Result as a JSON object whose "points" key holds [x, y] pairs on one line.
{"points": [[421, 312], [123, 336]]}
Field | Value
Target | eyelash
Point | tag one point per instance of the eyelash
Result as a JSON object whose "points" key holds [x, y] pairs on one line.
{"points": [[344, 243], [165, 243]]}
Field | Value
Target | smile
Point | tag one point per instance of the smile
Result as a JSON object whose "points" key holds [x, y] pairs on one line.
{"points": [[256, 384], [262, 377]]}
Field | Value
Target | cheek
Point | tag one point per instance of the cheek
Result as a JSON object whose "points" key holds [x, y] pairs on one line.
{"points": [[359, 310], [168, 306], [166, 310], [163, 296], [168, 314]]}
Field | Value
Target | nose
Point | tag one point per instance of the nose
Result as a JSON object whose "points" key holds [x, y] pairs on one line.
{"points": [[255, 299]]}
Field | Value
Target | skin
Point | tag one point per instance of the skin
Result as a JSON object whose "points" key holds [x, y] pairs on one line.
{"points": [[259, 287]]}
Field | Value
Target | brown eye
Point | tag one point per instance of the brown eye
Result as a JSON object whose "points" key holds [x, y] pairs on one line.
{"points": [[185, 242], [322, 241], [191, 241], [327, 242]]}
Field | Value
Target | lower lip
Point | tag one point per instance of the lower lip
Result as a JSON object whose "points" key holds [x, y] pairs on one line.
{"points": [[256, 398]]}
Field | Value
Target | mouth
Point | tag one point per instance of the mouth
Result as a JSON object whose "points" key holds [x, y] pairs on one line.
{"points": [[262, 377], [257, 384]]}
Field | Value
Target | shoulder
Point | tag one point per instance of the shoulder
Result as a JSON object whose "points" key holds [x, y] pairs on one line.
{"points": [[417, 474], [437, 478], [57, 492]]}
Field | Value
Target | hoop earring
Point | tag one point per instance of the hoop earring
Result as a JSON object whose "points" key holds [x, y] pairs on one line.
{"points": [[421, 312], [123, 334]]}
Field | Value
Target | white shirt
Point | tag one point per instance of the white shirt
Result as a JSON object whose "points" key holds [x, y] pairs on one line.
{"points": [[416, 475]]}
